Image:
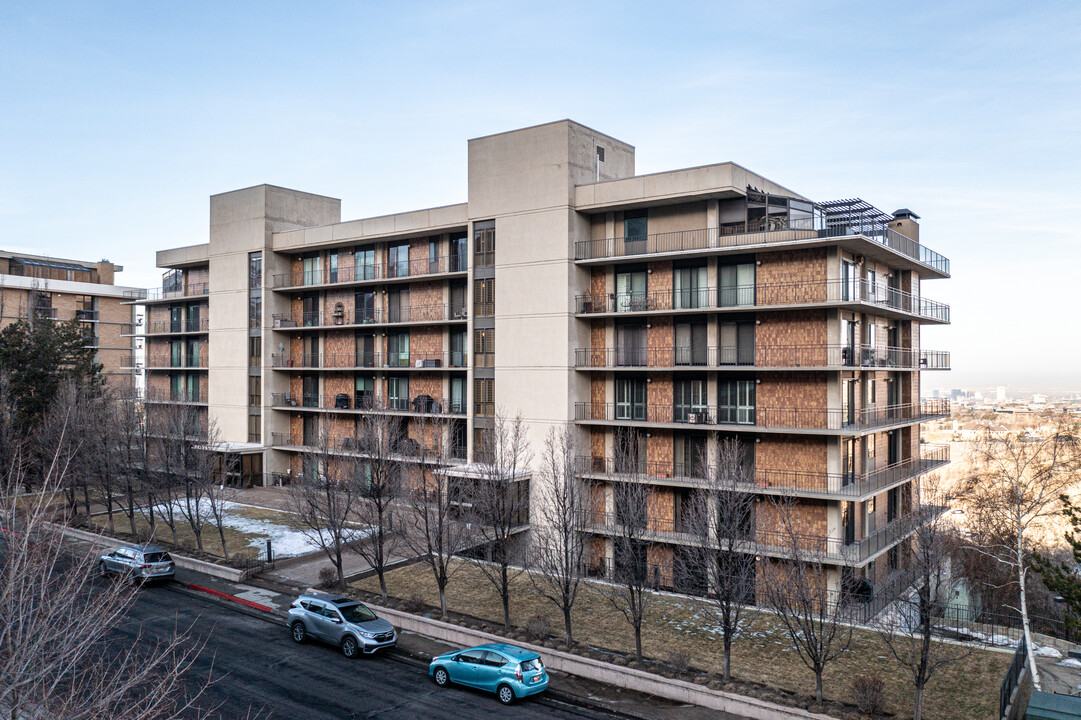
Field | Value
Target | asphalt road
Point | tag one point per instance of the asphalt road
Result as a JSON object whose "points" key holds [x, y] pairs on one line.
{"points": [[258, 667]]}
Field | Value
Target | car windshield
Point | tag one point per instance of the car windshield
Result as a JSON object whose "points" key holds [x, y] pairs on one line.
{"points": [[155, 557], [356, 613]]}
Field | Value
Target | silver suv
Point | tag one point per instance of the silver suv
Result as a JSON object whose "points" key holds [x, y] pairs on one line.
{"points": [[340, 621], [138, 563]]}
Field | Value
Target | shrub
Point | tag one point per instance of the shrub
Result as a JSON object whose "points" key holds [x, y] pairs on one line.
{"points": [[414, 604], [679, 661], [868, 692], [538, 627], [328, 577]]}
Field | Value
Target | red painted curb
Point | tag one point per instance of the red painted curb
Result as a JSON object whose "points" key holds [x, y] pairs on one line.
{"points": [[227, 596]]}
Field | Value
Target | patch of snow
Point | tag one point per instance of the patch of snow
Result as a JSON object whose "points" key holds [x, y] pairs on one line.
{"points": [[1047, 651], [1070, 663]]}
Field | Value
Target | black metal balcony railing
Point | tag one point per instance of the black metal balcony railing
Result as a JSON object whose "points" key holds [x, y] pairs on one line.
{"points": [[770, 481], [819, 292], [434, 312], [779, 543], [758, 232], [765, 417], [763, 356], [354, 446], [185, 395], [86, 315], [374, 360], [166, 327], [165, 360], [45, 313], [372, 272], [419, 405], [189, 290]]}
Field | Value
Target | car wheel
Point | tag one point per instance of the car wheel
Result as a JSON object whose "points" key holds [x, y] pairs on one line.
{"points": [[299, 633], [505, 694], [441, 677], [350, 648], [102, 570]]}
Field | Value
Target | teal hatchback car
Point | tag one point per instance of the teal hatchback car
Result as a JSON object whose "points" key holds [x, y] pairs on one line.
{"points": [[508, 671]]}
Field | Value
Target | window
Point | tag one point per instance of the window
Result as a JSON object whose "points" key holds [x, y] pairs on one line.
{"points": [[255, 270], [457, 395], [332, 266], [397, 261], [365, 350], [735, 402], [172, 282], [689, 397], [484, 397], [848, 521], [631, 348], [364, 392], [194, 320], [737, 343], [255, 391], [691, 344], [635, 231], [176, 315], [691, 288], [457, 348], [255, 311], [484, 347], [737, 285], [458, 249], [176, 353], [398, 350], [689, 454], [86, 307], [631, 291], [43, 305], [484, 243], [310, 391], [192, 394], [255, 352], [313, 272], [630, 399], [254, 427], [398, 306], [848, 461], [850, 281], [192, 348], [364, 264], [433, 256], [176, 387], [364, 304], [397, 392], [484, 298]]}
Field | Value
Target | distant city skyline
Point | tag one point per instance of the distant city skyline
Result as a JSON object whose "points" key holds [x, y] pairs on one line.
{"points": [[125, 117]]}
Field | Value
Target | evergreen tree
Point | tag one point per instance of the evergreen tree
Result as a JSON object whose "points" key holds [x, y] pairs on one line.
{"points": [[1063, 578]]}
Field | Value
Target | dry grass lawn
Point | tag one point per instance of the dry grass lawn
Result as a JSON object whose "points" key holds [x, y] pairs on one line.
{"points": [[237, 541], [675, 624]]}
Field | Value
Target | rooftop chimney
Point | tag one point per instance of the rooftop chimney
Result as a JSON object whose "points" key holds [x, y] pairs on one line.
{"points": [[904, 222]]}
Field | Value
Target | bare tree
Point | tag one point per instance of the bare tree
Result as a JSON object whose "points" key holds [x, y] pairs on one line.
{"points": [[216, 486], [378, 475], [55, 628], [558, 552], [908, 627], [720, 562], [176, 465], [127, 449], [325, 500], [1015, 486], [796, 587], [500, 498], [440, 525]]}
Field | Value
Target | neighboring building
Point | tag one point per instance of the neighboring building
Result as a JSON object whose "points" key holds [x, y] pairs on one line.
{"points": [[34, 286], [1000, 394], [678, 304]]}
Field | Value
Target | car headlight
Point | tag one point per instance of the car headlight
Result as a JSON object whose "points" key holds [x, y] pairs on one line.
{"points": [[365, 633]]}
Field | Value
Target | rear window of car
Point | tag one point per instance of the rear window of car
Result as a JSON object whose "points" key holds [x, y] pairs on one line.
{"points": [[156, 557], [534, 664]]}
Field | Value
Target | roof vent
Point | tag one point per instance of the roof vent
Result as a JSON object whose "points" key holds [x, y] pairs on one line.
{"points": [[905, 214]]}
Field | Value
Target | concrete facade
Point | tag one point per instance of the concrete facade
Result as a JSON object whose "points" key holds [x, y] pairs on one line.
{"points": [[686, 306]]}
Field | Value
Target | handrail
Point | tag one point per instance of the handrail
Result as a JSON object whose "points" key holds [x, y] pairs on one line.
{"points": [[413, 360], [419, 405], [773, 230], [820, 418], [763, 356], [372, 271], [432, 312], [189, 290], [856, 291]]}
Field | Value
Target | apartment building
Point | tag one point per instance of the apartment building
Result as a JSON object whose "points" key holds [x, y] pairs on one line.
{"points": [[683, 307], [54, 289]]}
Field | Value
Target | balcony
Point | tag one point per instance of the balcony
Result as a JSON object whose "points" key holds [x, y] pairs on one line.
{"points": [[777, 543], [854, 294], [183, 396], [763, 419], [188, 290], [758, 233], [849, 486], [86, 315], [410, 361], [377, 272], [421, 405], [168, 327], [439, 312], [408, 451], [168, 361], [780, 357]]}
